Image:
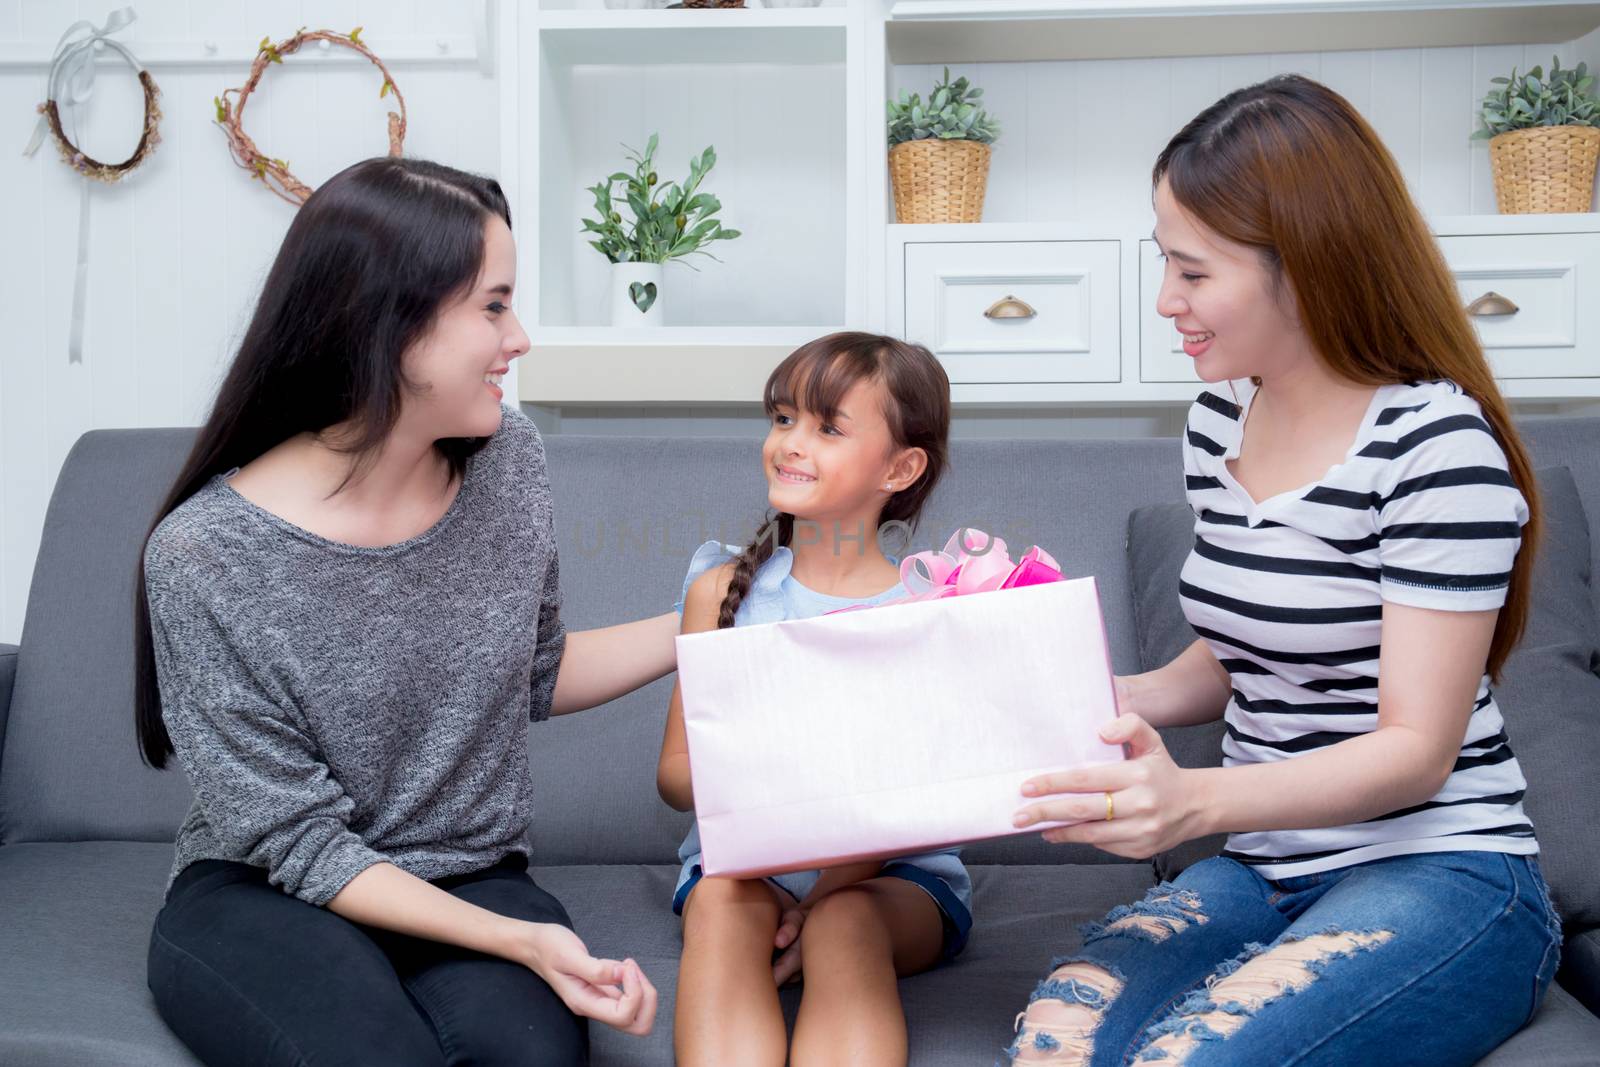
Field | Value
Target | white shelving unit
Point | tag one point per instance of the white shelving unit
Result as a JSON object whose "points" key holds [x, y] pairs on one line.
{"points": [[792, 100], [779, 94], [948, 31]]}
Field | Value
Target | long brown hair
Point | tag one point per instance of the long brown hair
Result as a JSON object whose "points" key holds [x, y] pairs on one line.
{"points": [[1289, 168], [814, 378]]}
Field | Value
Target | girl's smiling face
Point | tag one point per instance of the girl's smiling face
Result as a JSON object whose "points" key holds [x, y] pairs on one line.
{"points": [[839, 466], [1236, 317]]}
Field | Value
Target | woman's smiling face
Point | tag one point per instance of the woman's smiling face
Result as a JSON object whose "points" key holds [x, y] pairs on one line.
{"points": [[1236, 317], [457, 368]]}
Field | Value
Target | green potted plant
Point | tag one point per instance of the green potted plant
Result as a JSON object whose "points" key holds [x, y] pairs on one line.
{"points": [[939, 153], [1544, 139], [670, 221]]}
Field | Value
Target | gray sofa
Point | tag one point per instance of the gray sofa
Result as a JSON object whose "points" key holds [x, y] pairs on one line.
{"points": [[86, 829]]}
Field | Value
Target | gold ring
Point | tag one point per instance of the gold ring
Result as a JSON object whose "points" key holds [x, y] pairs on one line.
{"points": [[1111, 808]]}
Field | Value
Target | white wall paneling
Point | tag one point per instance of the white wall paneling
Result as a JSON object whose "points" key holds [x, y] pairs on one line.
{"points": [[179, 248]]}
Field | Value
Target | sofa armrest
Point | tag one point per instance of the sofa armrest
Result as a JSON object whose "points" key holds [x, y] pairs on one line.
{"points": [[1580, 968], [8, 675]]}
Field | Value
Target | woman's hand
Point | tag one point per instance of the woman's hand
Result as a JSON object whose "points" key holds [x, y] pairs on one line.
{"points": [[610, 991], [1155, 803], [787, 966]]}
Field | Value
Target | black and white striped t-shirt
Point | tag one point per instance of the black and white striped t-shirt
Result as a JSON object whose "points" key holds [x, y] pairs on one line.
{"points": [[1288, 593]]}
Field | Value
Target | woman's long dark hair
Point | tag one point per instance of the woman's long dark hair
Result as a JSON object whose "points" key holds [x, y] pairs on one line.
{"points": [[1291, 169], [814, 378], [367, 264]]}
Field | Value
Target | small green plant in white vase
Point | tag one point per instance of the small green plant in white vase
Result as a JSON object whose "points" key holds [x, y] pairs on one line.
{"points": [[664, 222]]}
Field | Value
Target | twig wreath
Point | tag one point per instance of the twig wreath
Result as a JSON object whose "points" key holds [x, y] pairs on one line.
{"points": [[274, 173], [70, 83]]}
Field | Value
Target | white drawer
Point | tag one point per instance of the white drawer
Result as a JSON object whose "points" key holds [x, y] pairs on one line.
{"points": [[1553, 333], [1071, 288], [1553, 279]]}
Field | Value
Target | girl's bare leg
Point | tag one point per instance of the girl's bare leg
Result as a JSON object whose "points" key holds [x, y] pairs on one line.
{"points": [[727, 1008], [856, 944]]}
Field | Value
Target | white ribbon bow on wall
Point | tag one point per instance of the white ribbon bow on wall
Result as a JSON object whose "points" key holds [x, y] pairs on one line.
{"points": [[70, 84]]}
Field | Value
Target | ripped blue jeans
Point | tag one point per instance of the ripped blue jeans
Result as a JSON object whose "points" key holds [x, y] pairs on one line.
{"points": [[1427, 959]]}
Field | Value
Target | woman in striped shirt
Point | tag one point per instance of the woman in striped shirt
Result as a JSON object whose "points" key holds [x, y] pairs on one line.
{"points": [[1364, 519]]}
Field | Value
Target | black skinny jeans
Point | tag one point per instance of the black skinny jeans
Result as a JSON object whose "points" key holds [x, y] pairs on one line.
{"points": [[245, 974]]}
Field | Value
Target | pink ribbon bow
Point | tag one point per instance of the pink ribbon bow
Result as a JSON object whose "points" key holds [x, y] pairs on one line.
{"points": [[971, 562]]}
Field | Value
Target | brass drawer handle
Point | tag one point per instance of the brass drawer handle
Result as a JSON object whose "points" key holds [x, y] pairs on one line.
{"points": [[1492, 303], [1009, 307]]}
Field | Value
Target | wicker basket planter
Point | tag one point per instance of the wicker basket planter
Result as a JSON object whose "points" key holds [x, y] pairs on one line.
{"points": [[938, 180], [1545, 169]]}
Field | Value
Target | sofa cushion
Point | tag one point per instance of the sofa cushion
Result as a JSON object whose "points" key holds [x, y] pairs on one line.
{"points": [[78, 917], [1563, 1032], [72, 955], [1573, 443], [1159, 539], [70, 768], [8, 676], [1549, 692], [1580, 968], [958, 1013]]}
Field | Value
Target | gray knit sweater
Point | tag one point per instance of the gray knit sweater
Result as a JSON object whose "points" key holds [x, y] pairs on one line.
{"points": [[336, 706]]}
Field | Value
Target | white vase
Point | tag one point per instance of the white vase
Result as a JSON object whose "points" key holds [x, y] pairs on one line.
{"points": [[636, 294]]}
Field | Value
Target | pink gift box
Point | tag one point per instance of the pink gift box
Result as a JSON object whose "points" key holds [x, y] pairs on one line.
{"points": [[890, 731]]}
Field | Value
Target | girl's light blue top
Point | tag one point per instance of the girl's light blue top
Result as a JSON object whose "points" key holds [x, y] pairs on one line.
{"points": [[774, 594]]}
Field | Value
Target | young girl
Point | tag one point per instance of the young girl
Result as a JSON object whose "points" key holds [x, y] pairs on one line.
{"points": [[1365, 518], [858, 440], [350, 613]]}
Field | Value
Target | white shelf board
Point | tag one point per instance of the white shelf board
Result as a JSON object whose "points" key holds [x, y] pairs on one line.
{"points": [[668, 336], [1088, 230], [1134, 227], [236, 54], [950, 31], [614, 38], [1580, 222], [1067, 395], [697, 19], [668, 365]]}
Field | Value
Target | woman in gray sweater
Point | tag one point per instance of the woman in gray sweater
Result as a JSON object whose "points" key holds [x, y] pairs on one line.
{"points": [[351, 614]]}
